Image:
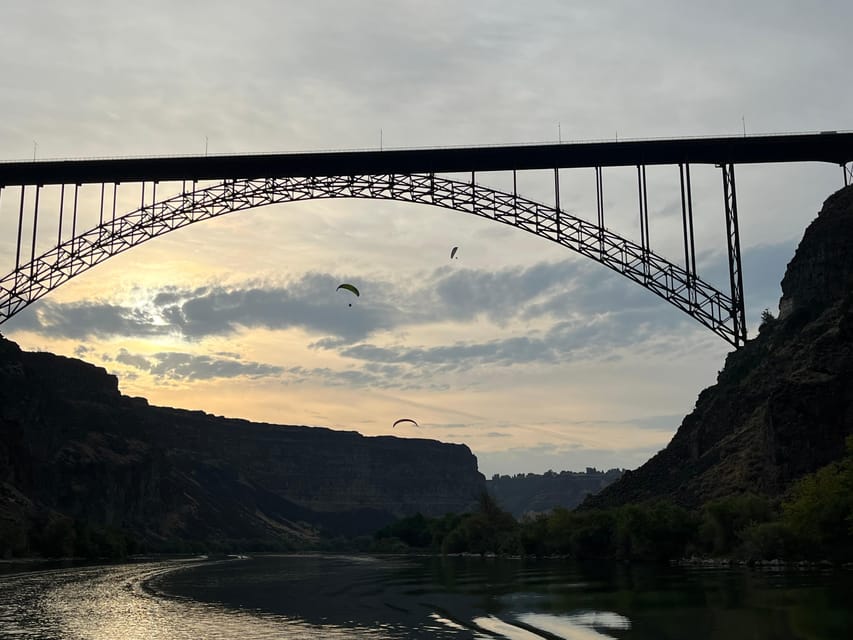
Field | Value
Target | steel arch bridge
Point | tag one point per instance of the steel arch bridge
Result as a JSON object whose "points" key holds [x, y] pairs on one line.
{"points": [[302, 177]]}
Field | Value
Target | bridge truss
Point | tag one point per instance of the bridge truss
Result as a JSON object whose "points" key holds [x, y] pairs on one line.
{"points": [[680, 286], [407, 175]]}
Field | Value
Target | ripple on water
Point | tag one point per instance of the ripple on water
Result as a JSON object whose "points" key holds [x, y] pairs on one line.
{"points": [[106, 603]]}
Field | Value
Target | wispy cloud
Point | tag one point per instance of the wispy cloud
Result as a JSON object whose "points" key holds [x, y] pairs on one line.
{"points": [[189, 367], [551, 311], [311, 302]]}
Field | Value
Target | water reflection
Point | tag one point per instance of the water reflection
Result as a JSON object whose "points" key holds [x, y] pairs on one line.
{"points": [[590, 625], [108, 603], [402, 597]]}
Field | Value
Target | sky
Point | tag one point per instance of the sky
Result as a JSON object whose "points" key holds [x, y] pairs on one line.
{"points": [[534, 357]]}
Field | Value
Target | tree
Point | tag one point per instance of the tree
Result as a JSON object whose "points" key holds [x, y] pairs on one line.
{"points": [[768, 320], [725, 519], [820, 510]]}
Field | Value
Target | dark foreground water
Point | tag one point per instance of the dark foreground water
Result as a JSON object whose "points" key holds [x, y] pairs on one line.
{"points": [[363, 597]]}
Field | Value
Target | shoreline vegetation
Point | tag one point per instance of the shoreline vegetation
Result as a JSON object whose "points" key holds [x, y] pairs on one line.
{"points": [[812, 525]]}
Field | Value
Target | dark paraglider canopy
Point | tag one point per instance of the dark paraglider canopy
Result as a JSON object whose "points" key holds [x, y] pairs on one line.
{"points": [[453, 252], [401, 420], [349, 287]]}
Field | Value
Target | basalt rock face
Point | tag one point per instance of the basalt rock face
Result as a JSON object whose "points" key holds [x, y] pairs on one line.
{"points": [[531, 493], [783, 404], [72, 445]]}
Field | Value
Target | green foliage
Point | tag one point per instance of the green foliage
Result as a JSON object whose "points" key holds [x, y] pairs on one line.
{"points": [[768, 321], [416, 532], [489, 530], [592, 535], [820, 510], [56, 539], [95, 542], [724, 520], [533, 535], [767, 541], [649, 532], [413, 531], [441, 527], [656, 531], [13, 540]]}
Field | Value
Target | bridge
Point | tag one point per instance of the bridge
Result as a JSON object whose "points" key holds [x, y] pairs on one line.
{"points": [[202, 187]]}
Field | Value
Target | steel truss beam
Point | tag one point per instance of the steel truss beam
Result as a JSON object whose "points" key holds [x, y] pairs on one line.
{"points": [[847, 168], [684, 290], [733, 242]]}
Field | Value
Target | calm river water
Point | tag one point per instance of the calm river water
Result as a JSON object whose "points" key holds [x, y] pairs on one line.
{"points": [[316, 596]]}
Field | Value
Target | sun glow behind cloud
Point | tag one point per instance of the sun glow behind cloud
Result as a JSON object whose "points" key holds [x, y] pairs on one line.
{"points": [[473, 353]]}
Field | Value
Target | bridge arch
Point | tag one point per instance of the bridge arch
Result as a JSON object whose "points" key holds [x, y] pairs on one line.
{"points": [[684, 290]]}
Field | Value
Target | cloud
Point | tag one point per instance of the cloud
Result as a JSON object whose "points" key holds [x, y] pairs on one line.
{"points": [[596, 337], [502, 295], [658, 423], [87, 319], [173, 365], [549, 313], [309, 303], [135, 361], [312, 303], [592, 312], [81, 350]]}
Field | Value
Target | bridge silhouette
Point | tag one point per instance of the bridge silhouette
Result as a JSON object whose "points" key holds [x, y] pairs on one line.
{"points": [[243, 182]]}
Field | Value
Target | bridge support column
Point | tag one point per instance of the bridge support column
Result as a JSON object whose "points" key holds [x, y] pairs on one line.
{"points": [[20, 230], [74, 214], [557, 199], [35, 231], [113, 218], [644, 216], [61, 208], [599, 201], [687, 229], [735, 265]]}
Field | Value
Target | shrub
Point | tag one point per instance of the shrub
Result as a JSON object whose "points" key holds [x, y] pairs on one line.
{"points": [[723, 520], [820, 510], [767, 541]]}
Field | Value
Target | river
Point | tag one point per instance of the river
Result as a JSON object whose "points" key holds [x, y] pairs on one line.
{"points": [[339, 596]]}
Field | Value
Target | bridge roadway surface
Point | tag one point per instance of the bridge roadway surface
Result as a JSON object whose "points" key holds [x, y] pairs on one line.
{"points": [[832, 147]]}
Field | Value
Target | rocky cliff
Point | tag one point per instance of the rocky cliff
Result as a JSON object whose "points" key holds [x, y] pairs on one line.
{"points": [[72, 445], [527, 493], [783, 404]]}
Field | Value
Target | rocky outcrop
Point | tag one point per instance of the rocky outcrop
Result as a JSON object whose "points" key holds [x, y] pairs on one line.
{"points": [[531, 493], [71, 444], [783, 404]]}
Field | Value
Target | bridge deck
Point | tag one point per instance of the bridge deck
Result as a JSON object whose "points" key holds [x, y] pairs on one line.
{"points": [[833, 147]]}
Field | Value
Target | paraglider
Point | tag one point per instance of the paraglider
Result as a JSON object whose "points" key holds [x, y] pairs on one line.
{"points": [[351, 288], [404, 420], [453, 253]]}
